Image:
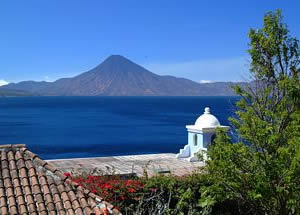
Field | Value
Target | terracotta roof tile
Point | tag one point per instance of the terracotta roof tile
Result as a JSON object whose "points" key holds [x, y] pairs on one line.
{"points": [[30, 185]]}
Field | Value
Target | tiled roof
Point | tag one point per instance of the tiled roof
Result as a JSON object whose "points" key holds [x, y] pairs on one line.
{"points": [[30, 185]]}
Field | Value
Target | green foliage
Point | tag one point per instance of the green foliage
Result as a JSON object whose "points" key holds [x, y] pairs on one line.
{"points": [[181, 195], [261, 173], [172, 194]]}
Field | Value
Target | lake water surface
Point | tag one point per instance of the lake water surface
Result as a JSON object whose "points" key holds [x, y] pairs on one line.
{"points": [[68, 127]]}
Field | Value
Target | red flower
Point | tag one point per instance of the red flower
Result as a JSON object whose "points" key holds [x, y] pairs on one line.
{"points": [[79, 180], [122, 197], [134, 183], [94, 190], [107, 186], [67, 174], [91, 178], [131, 190]]}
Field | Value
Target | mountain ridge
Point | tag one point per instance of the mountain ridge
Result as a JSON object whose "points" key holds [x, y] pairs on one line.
{"points": [[119, 76]]}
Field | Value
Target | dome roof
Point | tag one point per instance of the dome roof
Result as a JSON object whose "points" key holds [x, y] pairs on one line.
{"points": [[207, 120]]}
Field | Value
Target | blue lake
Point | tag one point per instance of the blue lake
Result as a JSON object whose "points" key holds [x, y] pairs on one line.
{"points": [[68, 127]]}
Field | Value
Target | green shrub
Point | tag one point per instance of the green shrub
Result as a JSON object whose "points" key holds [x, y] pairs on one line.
{"points": [[261, 173]]}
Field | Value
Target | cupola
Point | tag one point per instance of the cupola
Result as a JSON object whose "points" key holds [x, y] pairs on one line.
{"points": [[200, 135]]}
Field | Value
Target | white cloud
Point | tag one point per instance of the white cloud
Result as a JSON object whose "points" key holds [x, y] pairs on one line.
{"points": [[2, 83], [46, 78], [206, 81], [227, 69]]}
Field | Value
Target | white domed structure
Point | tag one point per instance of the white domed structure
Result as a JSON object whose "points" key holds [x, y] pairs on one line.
{"points": [[207, 120], [200, 135]]}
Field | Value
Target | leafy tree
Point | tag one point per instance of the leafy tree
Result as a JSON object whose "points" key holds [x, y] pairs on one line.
{"points": [[261, 172]]}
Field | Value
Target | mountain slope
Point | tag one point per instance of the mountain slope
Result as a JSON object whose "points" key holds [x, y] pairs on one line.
{"points": [[118, 76], [7, 93]]}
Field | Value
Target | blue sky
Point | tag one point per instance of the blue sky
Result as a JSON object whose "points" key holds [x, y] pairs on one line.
{"points": [[199, 40]]}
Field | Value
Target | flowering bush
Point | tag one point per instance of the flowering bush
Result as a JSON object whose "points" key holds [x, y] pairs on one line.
{"points": [[147, 195], [161, 194], [119, 192]]}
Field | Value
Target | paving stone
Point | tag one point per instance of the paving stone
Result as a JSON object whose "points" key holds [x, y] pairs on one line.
{"points": [[131, 164]]}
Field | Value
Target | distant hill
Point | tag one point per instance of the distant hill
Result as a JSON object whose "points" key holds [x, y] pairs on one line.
{"points": [[8, 92], [118, 76]]}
